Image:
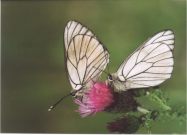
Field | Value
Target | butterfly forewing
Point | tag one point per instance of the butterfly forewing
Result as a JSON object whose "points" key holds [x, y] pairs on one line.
{"points": [[151, 64], [85, 55], [72, 29]]}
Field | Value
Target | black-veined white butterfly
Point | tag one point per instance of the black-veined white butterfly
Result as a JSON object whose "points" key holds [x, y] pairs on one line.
{"points": [[148, 66], [86, 57]]}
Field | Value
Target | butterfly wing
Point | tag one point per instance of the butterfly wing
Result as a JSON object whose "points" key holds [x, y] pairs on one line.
{"points": [[86, 59], [151, 64], [72, 29]]}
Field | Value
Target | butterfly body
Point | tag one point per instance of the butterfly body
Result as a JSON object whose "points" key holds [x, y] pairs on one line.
{"points": [[115, 83], [78, 94]]}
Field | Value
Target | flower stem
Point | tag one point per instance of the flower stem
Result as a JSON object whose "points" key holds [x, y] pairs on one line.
{"points": [[142, 110]]}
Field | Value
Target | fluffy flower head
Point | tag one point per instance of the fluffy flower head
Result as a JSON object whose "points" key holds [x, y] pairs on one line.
{"points": [[96, 99]]}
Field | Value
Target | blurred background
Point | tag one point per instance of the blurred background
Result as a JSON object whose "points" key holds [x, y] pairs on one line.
{"points": [[33, 70]]}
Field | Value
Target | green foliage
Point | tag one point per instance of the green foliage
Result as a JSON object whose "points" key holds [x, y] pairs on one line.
{"points": [[159, 109], [154, 100], [152, 106]]}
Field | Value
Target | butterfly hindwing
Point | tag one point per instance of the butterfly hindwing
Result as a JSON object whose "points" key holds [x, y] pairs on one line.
{"points": [[151, 64]]}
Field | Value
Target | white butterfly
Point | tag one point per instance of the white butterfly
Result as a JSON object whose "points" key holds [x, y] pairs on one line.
{"points": [[86, 57], [148, 66]]}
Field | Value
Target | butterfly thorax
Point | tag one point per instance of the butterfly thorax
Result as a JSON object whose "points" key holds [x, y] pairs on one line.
{"points": [[116, 84], [78, 94]]}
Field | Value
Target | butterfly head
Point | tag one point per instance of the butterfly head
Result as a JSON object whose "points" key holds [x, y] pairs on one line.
{"points": [[110, 78], [114, 82], [77, 94]]}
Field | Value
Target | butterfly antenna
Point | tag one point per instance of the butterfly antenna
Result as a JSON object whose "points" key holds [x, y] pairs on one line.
{"points": [[53, 106]]}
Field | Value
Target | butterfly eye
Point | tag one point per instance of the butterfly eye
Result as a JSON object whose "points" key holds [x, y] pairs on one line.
{"points": [[110, 77]]}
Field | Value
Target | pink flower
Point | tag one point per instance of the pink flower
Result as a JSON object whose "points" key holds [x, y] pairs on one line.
{"points": [[96, 99]]}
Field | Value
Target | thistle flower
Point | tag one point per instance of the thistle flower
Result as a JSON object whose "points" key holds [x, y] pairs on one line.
{"points": [[96, 99], [126, 124], [123, 102]]}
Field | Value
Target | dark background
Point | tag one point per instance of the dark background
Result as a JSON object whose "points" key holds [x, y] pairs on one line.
{"points": [[33, 73]]}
